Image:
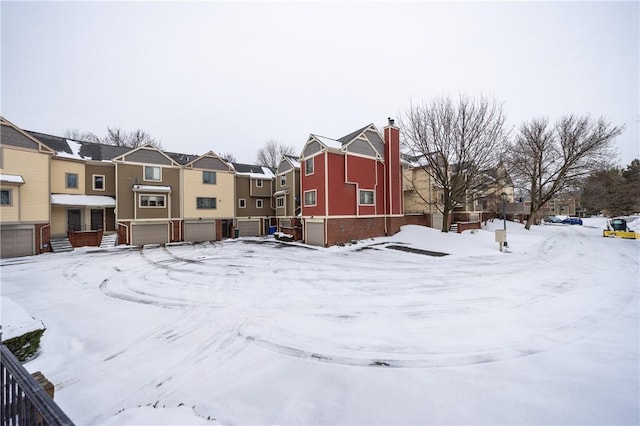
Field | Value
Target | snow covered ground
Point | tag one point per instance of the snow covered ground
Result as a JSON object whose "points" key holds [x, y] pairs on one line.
{"points": [[252, 331]]}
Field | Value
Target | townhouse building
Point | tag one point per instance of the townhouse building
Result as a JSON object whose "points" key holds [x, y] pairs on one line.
{"points": [[208, 185], [352, 186], [288, 197], [254, 188], [24, 192]]}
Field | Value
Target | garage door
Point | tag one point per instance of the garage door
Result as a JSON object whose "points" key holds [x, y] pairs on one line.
{"points": [[315, 233], [249, 228], [149, 234], [16, 242], [436, 221], [200, 231]]}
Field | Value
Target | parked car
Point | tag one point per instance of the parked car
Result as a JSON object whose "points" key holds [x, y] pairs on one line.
{"points": [[572, 221], [552, 219]]}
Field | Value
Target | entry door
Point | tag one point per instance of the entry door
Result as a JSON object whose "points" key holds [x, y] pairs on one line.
{"points": [[97, 219], [74, 220]]}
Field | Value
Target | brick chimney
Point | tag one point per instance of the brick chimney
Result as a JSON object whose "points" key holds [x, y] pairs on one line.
{"points": [[393, 168]]}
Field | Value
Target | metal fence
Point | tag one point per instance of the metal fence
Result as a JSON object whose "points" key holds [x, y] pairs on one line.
{"points": [[23, 400]]}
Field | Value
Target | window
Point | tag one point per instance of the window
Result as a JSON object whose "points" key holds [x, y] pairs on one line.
{"points": [[152, 201], [209, 177], [259, 204], [310, 198], [98, 182], [242, 203], [72, 180], [283, 180], [152, 173], [205, 203], [259, 183], [366, 197], [280, 202], [308, 166], [5, 197]]}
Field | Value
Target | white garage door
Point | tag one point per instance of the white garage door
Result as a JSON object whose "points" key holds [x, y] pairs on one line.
{"points": [[315, 233], [249, 228], [200, 231], [436, 221], [16, 242], [149, 234]]}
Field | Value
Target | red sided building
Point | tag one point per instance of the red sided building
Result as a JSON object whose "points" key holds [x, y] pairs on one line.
{"points": [[351, 187]]}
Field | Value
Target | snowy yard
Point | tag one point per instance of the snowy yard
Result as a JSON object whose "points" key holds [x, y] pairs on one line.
{"points": [[252, 331]]}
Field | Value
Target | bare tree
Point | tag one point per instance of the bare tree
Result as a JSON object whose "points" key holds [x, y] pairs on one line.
{"points": [[271, 153], [227, 156], [549, 160], [455, 143], [78, 135], [118, 137]]}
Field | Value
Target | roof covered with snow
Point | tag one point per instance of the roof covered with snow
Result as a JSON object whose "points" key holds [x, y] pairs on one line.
{"points": [[79, 150], [253, 171], [151, 188], [82, 200], [11, 179]]}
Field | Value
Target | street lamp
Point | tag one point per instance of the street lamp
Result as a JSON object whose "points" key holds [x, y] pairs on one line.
{"points": [[504, 209]]}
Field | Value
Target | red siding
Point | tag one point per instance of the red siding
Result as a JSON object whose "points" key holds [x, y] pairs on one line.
{"points": [[394, 170], [313, 181]]}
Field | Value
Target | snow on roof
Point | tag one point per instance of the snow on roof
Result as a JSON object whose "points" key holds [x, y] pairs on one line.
{"points": [[82, 200], [328, 142], [75, 147], [281, 192], [11, 179], [266, 174], [152, 188], [294, 161]]}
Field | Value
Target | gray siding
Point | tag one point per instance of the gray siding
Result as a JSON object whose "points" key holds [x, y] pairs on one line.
{"points": [[376, 141], [312, 148], [284, 166], [362, 147], [11, 136], [210, 163], [148, 156]]}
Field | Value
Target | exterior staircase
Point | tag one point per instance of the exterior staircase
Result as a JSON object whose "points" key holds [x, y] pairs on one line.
{"points": [[454, 228], [60, 245], [109, 240]]}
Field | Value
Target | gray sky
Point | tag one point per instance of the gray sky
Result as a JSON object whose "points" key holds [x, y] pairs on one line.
{"points": [[228, 76]]}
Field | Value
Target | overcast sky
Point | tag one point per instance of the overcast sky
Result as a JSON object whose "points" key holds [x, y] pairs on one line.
{"points": [[228, 76]]}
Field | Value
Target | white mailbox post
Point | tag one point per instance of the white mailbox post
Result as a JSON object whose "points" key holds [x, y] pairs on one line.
{"points": [[501, 238]]}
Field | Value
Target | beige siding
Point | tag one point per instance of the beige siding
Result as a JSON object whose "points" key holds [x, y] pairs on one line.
{"points": [[59, 169], [413, 198], [58, 220], [31, 200], [222, 191]]}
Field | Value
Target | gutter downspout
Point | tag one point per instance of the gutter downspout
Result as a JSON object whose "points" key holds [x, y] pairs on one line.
{"points": [[326, 197]]}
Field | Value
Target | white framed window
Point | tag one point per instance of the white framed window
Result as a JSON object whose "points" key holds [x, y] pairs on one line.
{"points": [[310, 198], [5, 197], [153, 173], [209, 177], [205, 203], [259, 203], [98, 182], [71, 180], [366, 197], [308, 166], [280, 202], [283, 180], [258, 183], [242, 203], [153, 201]]}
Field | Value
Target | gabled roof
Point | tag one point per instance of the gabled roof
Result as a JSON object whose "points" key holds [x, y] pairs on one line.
{"points": [[254, 171], [12, 135], [293, 160], [146, 147], [351, 136]]}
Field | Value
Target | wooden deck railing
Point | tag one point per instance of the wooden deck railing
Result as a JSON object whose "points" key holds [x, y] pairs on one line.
{"points": [[23, 400]]}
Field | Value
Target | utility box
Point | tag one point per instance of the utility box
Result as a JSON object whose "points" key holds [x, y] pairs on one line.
{"points": [[501, 237]]}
